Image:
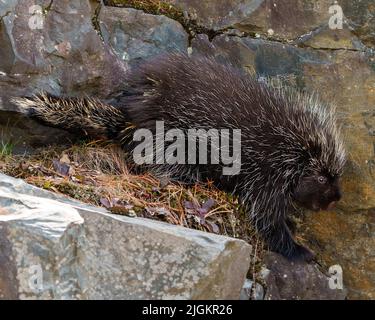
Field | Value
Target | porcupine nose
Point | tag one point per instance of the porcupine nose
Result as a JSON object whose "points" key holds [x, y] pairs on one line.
{"points": [[335, 199], [338, 196]]}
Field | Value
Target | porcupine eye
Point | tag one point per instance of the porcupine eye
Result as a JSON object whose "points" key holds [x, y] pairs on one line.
{"points": [[322, 179]]}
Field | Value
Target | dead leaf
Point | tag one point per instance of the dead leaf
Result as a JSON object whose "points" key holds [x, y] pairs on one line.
{"points": [[123, 210], [61, 168], [65, 158], [199, 210], [212, 227], [208, 205]]}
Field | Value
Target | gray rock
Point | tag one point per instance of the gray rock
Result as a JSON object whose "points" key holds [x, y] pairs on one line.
{"points": [[250, 293], [288, 21], [26, 135], [214, 14], [56, 248], [258, 292], [66, 55], [136, 36], [63, 55], [246, 290], [297, 281]]}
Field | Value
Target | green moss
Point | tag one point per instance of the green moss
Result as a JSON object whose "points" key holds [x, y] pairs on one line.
{"points": [[151, 7], [79, 192]]}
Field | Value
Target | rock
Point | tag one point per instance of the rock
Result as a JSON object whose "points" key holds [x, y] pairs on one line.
{"points": [[216, 15], [298, 21], [246, 290], [66, 55], [26, 135], [297, 281], [63, 55], [361, 18], [346, 239], [136, 36], [250, 293], [57, 248], [330, 73]]}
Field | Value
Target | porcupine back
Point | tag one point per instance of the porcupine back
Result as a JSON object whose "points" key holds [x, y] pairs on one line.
{"points": [[282, 130]]}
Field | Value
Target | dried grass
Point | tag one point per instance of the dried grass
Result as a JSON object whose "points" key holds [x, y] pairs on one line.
{"points": [[97, 173]]}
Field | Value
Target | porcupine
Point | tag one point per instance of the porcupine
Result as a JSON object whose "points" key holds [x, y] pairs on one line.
{"points": [[291, 150]]}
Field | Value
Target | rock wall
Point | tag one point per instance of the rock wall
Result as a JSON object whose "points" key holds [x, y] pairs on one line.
{"points": [[83, 48], [72, 48]]}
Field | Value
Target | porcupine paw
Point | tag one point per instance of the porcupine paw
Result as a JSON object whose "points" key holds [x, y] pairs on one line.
{"points": [[301, 254]]}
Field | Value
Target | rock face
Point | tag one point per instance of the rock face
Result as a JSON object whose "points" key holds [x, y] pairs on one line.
{"points": [[252, 291], [289, 281], [285, 20], [135, 36], [54, 248], [61, 51], [346, 239]]}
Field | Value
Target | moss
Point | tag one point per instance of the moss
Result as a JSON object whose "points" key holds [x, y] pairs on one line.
{"points": [[95, 20], [80, 192], [47, 8], [150, 6]]}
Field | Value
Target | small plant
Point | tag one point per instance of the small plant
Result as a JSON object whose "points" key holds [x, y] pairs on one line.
{"points": [[6, 148]]}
